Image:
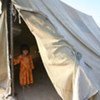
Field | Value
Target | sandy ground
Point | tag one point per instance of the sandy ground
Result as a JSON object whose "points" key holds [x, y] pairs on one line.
{"points": [[42, 89]]}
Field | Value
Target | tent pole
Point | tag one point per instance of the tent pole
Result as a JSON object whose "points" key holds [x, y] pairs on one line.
{"points": [[10, 34]]}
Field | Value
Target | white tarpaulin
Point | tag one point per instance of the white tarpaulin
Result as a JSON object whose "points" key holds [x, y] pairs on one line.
{"points": [[67, 40], [4, 58], [59, 43]]}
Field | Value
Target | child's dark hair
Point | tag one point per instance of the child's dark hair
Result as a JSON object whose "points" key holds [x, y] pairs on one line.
{"points": [[24, 47]]}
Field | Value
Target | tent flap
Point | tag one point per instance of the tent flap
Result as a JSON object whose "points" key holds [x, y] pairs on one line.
{"points": [[4, 58]]}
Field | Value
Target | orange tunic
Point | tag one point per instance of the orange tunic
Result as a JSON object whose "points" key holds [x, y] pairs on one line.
{"points": [[26, 66]]}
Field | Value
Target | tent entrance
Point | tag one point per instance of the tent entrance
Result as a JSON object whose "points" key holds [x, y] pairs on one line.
{"points": [[42, 87]]}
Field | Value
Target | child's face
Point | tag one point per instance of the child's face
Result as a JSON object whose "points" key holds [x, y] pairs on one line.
{"points": [[25, 52]]}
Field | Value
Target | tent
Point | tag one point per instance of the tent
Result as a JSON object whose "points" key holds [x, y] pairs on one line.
{"points": [[69, 45]]}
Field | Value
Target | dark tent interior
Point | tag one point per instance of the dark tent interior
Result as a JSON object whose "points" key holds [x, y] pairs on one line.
{"points": [[42, 87]]}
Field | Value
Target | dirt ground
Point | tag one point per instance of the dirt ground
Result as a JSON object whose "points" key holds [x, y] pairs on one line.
{"points": [[42, 89]]}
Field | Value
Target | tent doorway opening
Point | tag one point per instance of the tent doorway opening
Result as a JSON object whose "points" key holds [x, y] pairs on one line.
{"points": [[42, 87]]}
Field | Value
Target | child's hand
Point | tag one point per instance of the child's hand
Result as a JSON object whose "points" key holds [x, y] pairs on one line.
{"points": [[33, 68]]}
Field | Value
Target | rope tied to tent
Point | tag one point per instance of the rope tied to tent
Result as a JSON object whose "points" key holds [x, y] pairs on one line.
{"points": [[19, 16], [14, 14]]}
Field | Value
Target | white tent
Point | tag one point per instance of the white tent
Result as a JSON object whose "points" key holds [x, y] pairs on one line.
{"points": [[69, 46]]}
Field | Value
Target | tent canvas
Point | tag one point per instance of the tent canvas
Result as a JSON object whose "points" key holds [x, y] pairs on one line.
{"points": [[67, 40]]}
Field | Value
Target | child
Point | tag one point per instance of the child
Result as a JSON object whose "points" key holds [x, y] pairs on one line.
{"points": [[26, 66]]}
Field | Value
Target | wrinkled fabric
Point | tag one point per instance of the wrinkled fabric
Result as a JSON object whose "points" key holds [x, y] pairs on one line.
{"points": [[58, 57], [67, 30], [5, 79], [67, 40]]}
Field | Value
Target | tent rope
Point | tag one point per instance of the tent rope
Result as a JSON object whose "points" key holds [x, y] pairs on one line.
{"points": [[19, 16]]}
